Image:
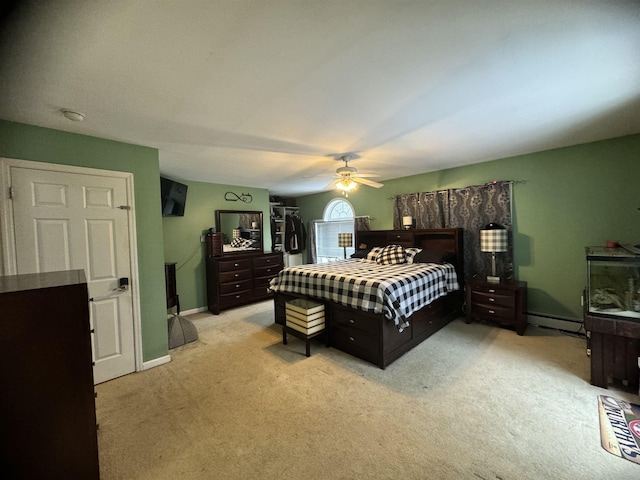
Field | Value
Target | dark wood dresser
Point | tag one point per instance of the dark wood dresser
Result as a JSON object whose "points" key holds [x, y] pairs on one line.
{"points": [[47, 401], [238, 280], [504, 303]]}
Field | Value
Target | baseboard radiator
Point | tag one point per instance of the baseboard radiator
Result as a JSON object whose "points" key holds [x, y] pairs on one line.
{"points": [[566, 324]]}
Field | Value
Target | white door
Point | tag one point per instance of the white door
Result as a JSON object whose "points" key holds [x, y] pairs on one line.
{"points": [[69, 221]]}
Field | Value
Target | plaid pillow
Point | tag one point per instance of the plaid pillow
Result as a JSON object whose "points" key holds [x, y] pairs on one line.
{"points": [[411, 252], [237, 242], [372, 255], [391, 255]]}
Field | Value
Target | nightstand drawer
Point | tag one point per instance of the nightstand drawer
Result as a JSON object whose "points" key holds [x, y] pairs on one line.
{"points": [[493, 312], [493, 299]]}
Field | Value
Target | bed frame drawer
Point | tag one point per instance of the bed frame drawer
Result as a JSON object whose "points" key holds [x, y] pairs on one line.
{"points": [[355, 342], [353, 320]]}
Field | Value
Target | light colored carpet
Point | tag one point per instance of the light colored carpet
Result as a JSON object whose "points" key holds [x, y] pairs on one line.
{"points": [[472, 402]]}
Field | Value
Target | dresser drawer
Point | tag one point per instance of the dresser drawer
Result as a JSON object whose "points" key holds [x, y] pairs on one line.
{"points": [[261, 283], [236, 298], [232, 287], [487, 298], [351, 319], [234, 276], [268, 261], [233, 265], [268, 271]]}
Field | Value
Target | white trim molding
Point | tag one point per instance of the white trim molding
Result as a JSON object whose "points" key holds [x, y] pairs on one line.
{"points": [[156, 362]]}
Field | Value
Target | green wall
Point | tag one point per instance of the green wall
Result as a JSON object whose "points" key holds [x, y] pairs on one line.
{"points": [[182, 234], [569, 198], [565, 199], [28, 142]]}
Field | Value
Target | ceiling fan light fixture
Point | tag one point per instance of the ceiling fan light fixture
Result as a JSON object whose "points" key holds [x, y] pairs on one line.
{"points": [[346, 185]]}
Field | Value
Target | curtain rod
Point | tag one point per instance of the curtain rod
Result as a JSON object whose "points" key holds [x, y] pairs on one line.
{"points": [[488, 184]]}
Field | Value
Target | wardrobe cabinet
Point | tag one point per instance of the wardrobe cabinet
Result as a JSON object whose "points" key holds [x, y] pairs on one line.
{"points": [[237, 280], [47, 399]]}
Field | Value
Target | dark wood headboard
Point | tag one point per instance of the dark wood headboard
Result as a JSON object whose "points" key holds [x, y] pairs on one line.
{"points": [[447, 239]]}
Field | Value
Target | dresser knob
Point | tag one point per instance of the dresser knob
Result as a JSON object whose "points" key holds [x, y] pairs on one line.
{"points": [[491, 311], [352, 321], [351, 339], [491, 290], [492, 299]]}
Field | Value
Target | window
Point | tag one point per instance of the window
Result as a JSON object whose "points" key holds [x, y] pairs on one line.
{"points": [[337, 218]]}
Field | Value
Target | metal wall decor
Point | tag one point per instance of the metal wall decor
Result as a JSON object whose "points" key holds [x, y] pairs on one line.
{"points": [[233, 197]]}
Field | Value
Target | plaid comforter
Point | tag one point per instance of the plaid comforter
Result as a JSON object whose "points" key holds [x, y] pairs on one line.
{"points": [[394, 290]]}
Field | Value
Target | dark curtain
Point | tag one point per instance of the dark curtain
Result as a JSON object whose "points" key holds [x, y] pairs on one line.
{"points": [[245, 220], [428, 209], [469, 208], [361, 224], [313, 249]]}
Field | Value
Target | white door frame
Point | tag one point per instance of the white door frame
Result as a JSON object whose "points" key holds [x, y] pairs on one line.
{"points": [[8, 263]]}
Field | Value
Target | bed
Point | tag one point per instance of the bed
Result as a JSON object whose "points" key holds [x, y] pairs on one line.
{"points": [[375, 309]]}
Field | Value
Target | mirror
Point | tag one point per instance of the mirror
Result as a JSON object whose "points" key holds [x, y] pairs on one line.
{"points": [[241, 231]]}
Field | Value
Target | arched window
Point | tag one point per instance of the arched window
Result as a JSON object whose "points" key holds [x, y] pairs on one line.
{"points": [[337, 218], [338, 209]]}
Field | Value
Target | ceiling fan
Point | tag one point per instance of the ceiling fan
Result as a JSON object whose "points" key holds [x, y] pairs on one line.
{"points": [[348, 177]]}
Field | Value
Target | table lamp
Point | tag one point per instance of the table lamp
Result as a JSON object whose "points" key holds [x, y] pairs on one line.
{"points": [[407, 222], [493, 238], [345, 240]]}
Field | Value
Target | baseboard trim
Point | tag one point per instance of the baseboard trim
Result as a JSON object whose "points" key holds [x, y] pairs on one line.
{"points": [[194, 310], [189, 312], [156, 362], [558, 323]]}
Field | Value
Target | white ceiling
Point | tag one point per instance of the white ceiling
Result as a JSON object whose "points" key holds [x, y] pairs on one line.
{"points": [[262, 93]]}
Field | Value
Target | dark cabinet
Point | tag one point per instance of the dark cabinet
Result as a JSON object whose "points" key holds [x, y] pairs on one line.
{"points": [[173, 300], [47, 401], [504, 303], [238, 280]]}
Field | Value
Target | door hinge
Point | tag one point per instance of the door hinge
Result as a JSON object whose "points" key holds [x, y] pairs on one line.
{"points": [[11, 193], [124, 207]]}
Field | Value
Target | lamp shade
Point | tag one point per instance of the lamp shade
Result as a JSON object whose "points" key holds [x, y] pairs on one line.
{"points": [[407, 221], [493, 238], [345, 239]]}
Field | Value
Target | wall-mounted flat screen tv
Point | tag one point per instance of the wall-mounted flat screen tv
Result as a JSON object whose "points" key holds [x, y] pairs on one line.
{"points": [[174, 197]]}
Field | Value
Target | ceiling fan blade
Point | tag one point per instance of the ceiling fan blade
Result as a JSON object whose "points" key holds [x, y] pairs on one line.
{"points": [[366, 175], [364, 181], [332, 184]]}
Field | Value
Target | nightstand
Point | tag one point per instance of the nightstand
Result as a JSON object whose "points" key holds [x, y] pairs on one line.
{"points": [[504, 303]]}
